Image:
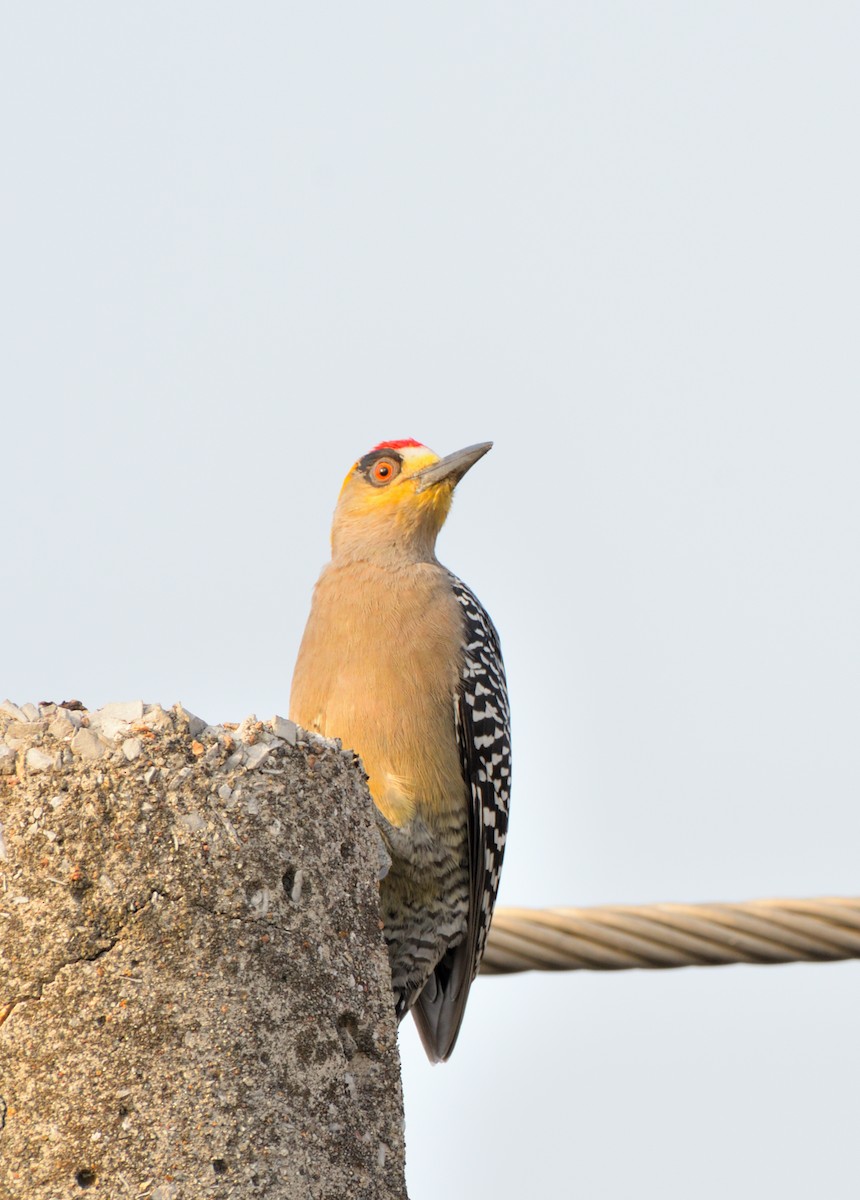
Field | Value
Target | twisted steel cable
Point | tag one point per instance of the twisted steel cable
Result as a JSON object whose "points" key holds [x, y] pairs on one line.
{"points": [[618, 937]]}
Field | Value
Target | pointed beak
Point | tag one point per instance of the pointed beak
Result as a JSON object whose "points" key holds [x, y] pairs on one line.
{"points": [[452, 467]]}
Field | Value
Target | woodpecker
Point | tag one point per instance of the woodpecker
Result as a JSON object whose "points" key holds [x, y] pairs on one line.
{"points": [[401, 662]]}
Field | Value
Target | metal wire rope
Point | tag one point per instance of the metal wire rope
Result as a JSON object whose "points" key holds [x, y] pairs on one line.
{"points": [[618, 937]]}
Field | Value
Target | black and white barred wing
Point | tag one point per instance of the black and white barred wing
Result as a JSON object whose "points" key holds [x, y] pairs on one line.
{"points": [[484, 736], [483, 728]]}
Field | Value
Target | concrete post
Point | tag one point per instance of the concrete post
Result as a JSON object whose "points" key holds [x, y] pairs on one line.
{"points": [[194, 990]]}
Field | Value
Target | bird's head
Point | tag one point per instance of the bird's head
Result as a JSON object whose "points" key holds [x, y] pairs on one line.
{"points": [[395, 500]]}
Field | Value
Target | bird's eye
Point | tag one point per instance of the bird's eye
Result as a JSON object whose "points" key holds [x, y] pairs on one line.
{"points": [[383, 471]]}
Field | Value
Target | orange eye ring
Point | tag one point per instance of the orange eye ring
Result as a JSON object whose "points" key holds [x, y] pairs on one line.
{"points": [[380, 469], [383, 471]]}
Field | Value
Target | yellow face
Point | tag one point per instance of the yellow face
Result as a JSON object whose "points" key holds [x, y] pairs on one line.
{"points": [[395, 500], [384, 490]]}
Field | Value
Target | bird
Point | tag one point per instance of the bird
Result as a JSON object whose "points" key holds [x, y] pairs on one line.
{"points": [[400, 661]]}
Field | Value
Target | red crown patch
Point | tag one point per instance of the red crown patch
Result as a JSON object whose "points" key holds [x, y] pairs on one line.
{"points": [[398, 445]]}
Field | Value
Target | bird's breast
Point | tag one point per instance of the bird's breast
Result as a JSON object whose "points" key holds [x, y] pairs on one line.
{"points": [[379, 668]]}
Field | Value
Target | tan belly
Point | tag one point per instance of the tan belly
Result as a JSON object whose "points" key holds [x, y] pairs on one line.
{"points": [[378, 668]]}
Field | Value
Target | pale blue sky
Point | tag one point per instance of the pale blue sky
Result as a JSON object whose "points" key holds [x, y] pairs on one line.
{"points": [[242, 244]]}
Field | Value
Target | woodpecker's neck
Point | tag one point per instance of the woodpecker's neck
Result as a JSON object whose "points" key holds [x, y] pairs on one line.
{"points": [[392, 532], [384, 541]]}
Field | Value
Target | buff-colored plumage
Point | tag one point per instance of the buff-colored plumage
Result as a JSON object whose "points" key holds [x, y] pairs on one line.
{"points": [[377, 665], [380, 667]]}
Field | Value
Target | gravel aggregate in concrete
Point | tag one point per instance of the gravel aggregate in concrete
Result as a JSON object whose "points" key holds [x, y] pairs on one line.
{"points": [[285, 729], [132, 748], [40, 760], [88, 744], [195, 999]]}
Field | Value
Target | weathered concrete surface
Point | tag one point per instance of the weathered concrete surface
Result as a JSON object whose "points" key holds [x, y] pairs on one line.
{"points": [[195, 988]]}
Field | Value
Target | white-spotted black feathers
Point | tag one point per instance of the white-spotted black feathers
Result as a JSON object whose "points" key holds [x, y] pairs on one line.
{"points": [[483, 724], [483, 730]]}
